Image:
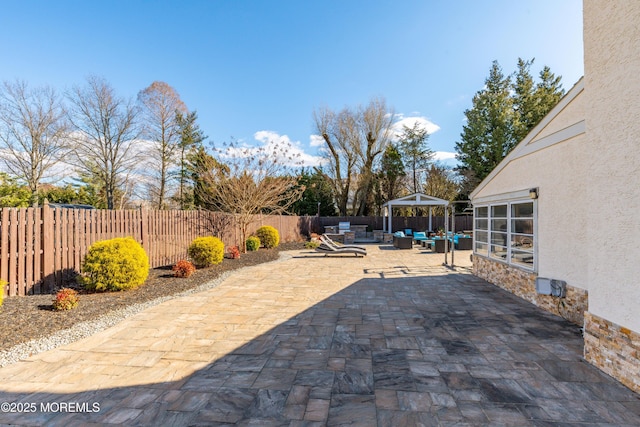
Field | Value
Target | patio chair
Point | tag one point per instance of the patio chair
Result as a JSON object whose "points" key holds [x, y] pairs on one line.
{"points": [[419, 236], [329, 250], [331, 243], [403, 242]]}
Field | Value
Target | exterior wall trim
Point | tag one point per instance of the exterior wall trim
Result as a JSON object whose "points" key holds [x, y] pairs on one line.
{"points": [[503, 197]]}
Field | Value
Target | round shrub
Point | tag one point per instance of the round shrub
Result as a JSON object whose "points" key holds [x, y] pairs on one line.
{"points": [[115, 265], [253, 243], [311, 244], [268, 236], [66, 299], [234, 252], [206, 251], [183, 268]]}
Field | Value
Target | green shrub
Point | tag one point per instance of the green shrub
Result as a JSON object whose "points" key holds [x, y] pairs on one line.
{"points": [[115, 265], [268, 236], [2, 285], [253, 243], [206, 251], [66, 299], [311, 244]]}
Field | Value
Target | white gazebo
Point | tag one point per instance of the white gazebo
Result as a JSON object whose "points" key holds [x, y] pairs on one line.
{"points": [[410, 201]]}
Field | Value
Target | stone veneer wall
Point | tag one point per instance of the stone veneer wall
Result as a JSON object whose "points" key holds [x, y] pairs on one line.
{"points": [[523, 284], [614, 349]]}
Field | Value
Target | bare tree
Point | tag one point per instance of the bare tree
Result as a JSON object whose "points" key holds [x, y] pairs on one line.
{"points": [[161, 103], [253, 181], [376, 122], [33, 132], [105, 130], [354, 140], [340, 134], [441, 183]]}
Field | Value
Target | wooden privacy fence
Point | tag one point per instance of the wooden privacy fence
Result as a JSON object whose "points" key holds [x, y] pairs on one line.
{"points": [[42, 249]]}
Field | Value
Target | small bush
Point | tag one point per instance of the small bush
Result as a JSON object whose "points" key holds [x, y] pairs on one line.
{"points": [[311, 244], [234, 252], [183, 268], [252, 243], [66, 299], [115, 265], [268, 236], [2, 285], [206, 251]]}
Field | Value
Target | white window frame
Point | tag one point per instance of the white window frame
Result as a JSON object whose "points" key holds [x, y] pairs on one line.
{"points": [[484, 248]]}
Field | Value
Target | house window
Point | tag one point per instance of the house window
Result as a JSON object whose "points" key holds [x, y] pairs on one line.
{"points": [[481, 230], [505, 232]]}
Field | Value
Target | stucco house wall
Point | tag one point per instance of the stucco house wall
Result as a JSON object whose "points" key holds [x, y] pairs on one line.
{"points": [[612, 92]]}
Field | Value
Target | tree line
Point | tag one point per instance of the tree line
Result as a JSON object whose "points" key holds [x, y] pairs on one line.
{"points": [[91, 146]]}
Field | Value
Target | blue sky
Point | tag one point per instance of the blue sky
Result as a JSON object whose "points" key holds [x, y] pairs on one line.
{"points": [[256, 70]]}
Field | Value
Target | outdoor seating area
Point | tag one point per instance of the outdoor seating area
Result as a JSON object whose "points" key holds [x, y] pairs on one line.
{"points": [[408, 238]]}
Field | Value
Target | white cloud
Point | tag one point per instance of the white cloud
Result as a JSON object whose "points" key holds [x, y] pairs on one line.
{"points": [[444, 155], [410, 121], [446, 158], [269, 138], [316, 141]]}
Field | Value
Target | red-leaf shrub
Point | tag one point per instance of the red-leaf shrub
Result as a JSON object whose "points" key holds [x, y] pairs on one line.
{"points": [[66, 299], [184, 268], [234, 252]]}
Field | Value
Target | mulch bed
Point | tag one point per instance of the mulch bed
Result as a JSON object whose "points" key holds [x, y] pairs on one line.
{"points": [[31, 317]]}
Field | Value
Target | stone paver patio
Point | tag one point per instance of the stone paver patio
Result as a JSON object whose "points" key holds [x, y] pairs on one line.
{"points": [[392, 339]]}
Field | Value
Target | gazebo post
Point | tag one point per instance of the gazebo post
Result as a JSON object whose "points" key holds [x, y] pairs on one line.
{"points": [[446, 233], [430, 217], [384, 214]]}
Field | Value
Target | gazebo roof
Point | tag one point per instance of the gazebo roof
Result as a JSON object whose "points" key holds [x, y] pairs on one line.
{"points": [[416, 199]]}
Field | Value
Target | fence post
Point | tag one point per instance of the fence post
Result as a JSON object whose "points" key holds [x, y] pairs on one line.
{"points": [[4, 247], [144, 231], [48, 256]]}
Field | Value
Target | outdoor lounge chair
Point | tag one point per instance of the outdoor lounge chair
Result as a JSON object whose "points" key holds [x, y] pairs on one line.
{"points": [[329, 250], [329, 242], [418, 236]]}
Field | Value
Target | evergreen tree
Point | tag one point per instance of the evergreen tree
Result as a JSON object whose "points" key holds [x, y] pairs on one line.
{"points": [[503, 113], [191, 138], [415, 151], [524, 100], [388, 183], [548, 93], [317, 189], [533, 101], [391, 173], [12, 194], [488, 134], [204, 171]]}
